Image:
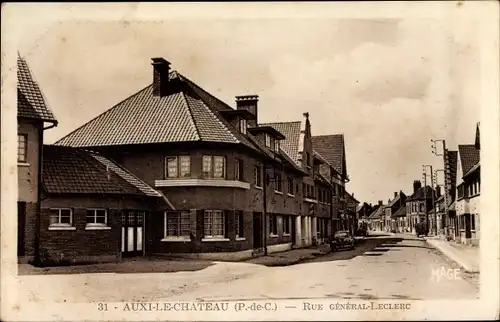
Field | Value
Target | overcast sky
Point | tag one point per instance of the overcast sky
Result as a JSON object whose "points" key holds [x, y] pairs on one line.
{"points": [[390, 85]]}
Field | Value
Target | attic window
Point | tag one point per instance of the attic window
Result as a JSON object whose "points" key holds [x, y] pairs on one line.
{"points": [[243, 126], [268, 140], [277, 146]]}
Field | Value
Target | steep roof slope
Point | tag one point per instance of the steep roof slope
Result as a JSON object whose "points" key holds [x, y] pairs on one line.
{"points": [[30, 100], [469, 156], [332, 148]]}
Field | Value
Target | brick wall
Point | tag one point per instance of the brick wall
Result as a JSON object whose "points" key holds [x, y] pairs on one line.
{"points": [[27, 250], [28, 171]]}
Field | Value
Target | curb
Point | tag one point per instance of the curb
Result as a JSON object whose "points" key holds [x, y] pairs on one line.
{"points": [[453, 257]]}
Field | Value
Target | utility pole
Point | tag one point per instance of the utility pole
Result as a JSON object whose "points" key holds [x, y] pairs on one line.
{"points": [[424, 174], [444, 154]]}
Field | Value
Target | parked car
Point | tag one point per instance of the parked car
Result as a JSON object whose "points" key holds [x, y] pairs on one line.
{"points": [[341, 240]]}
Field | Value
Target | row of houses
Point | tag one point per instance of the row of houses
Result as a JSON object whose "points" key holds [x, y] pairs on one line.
{"points": [[174, 170], [453, 214]]}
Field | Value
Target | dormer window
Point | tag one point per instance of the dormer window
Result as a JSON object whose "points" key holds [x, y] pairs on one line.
{"points": [[268, 140], [277, 146], [243, 126]]}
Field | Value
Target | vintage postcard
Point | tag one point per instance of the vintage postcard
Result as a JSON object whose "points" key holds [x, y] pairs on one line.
{"points": [[250, 161]]}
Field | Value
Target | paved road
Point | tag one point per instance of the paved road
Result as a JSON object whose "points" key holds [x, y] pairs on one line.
{"points": [[395, 267], [391, 267]]}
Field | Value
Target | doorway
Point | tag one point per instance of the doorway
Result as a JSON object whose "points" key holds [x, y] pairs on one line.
{"points": [[257, 230], [132, 233]]}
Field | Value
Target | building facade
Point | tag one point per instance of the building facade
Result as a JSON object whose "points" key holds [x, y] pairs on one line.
{"points": [[34, 117], [467, 204], [419, 206], [235, 188]]}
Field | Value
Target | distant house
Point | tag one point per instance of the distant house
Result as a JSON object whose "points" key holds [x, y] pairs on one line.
{"points": [[376, 218], [390, 223], [468, 191], [352, 207], [332, 148], [33, 117], [419, 205], [364, 211]]}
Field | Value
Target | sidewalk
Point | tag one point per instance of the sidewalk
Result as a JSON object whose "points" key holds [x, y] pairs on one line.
{"points": [[290, 257], [465, 256]]}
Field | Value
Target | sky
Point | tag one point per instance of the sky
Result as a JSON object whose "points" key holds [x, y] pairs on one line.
{"points": [[390, 85]]}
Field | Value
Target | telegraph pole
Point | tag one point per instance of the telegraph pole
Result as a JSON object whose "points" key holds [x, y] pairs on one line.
{"points": [[424, 174], [444, 154]]}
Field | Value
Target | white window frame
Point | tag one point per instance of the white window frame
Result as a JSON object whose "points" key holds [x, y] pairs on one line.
{"points": [[287, 222], [239, 224], [258, 176], [59, 225], [278, 184], [178, 166], [179, 236], [277, 146], [96, 225], [212, 236], [212, 158], [238, 169], [267, 139], [273, 218], [243, 125], [23, 147]]}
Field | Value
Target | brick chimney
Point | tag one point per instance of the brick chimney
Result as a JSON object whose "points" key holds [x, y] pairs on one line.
{"points": [[249, 103], [380, 202], [161, 69], [416, 185], [395, 194]]}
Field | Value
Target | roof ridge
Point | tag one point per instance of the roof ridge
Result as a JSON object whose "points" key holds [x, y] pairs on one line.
{"points": [[87, 156], [120, 167], [288, 122], [102, 114], [191, 115]]}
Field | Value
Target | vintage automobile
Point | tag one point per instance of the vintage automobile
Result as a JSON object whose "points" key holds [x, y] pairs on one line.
{"points": [[362, 230], [341, 240]]}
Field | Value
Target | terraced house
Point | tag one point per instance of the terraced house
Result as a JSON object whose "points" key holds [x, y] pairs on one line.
{"points": [[467, 205], [235, 188]]}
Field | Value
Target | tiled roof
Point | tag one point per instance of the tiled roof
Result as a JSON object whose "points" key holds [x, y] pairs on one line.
{"points": [[79, 171], [469, 156], [377, 212], [188, 114], [421, 192], [30, 100], [290, 145], [401, 212], [396, 199], [331, 147]]}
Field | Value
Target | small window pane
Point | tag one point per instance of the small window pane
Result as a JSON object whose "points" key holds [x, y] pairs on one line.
{"points": [[220, 167], [207, 166], [54, 216], [21, 147], [172, 167], [185, 166]]}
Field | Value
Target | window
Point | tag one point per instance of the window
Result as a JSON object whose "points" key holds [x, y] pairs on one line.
{"points": [[214, 224], [268, 140], [308, 161], [238, 222], [178, 165], [472, 222], [277, 182], [290, 186], [214, 166], [61, 217], [273, 225], [97, 217], [287, 225], [243, 126], [277, 146], [22, 147], [177, 224], [185, 166], [238, 170], [258, 176]]}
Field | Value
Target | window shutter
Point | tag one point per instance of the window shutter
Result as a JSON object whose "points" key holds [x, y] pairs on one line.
{"points": [[194, 219]]}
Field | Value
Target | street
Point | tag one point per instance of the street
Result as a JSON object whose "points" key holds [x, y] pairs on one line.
{"points": [[383, 267]]}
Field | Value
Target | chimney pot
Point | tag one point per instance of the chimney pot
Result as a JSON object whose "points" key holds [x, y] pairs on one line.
{"points": [[249, 103], [161, 70], [395, 194], [380, 202]]}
